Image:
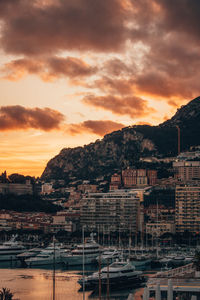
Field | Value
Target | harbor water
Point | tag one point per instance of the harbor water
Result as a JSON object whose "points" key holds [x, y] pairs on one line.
{"points": [[36, 284]]}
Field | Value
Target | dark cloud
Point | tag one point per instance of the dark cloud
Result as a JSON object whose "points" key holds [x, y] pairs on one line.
{"points": [[19, 117], [159, 85], [133, 106], [166, 33], [181, 16], [117, 67], [117, 86], [98, 127], [31, 29], [48, 69]]}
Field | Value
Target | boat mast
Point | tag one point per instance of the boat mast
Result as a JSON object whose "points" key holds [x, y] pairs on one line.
{"points": [[157, 229], [99, 275], [130, 241], [83, 238], [54, 271], [108, 291]]}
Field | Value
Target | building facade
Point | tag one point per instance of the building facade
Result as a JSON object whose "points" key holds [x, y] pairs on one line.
{"points": [[187, 211], [187, 170], [159, 228], [110, 212], [16, 188], [138, 177]]}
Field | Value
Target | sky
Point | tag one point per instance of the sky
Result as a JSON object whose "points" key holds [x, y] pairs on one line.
{"points": [[72, 71]]}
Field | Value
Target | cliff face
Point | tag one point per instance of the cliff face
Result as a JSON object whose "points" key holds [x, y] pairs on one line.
{"points": [[124, 147]]}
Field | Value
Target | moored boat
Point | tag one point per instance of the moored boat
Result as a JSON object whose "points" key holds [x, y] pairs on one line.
{"points": [[118, 275], [108, 256], [10, 249], [47, 256], [90, 249]]}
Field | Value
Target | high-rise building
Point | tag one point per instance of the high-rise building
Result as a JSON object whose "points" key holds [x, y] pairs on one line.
{"points": [[110, 212], [187, 213], [187, 170]]}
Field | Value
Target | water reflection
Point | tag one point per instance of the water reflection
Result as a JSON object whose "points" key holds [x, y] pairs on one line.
{"points": [[36, 284]]}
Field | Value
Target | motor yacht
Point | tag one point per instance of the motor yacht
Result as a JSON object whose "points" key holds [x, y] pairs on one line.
{"points": [[28, 254], [90, 249], [118, 275], [108, 256], [47, 256], [141, 260], [10, 249]]}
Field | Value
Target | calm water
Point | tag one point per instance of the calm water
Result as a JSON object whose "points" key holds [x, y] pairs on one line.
{"points": [[36, 284]]}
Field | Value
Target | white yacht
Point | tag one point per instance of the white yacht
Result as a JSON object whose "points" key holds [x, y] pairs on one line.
{"points": [[10, 249], [47, 256], [141, 260], [118, 274], [28, 254], [90, 249], [108, 256], [167, 259]]}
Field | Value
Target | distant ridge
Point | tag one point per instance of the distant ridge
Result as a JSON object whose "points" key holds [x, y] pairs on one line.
{"points": [[125, 147]]}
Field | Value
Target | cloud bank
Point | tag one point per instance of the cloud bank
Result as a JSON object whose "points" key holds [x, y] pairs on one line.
{"points": [[150, 48], [18, 117]]}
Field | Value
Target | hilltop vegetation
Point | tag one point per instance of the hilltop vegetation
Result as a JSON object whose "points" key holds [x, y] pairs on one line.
{"points": [[126, 147], [26, 203]]}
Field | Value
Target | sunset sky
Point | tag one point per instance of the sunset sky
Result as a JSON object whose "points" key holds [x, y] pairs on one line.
{"points": [[74, 70]]}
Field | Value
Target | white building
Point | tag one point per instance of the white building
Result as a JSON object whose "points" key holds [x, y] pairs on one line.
{"points": [[159, 228], [113, 211], [47, 188]]}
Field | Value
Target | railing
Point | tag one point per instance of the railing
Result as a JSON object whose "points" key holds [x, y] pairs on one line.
{"points": [[180, 271]]}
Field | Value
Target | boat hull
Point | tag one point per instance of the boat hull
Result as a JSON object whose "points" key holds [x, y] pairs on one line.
{"points": [[78, 260], [114, 283], [10, 255], [139, 263]]}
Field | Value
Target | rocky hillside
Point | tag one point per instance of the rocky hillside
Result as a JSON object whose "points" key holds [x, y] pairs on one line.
{"points": [[125, 147]]}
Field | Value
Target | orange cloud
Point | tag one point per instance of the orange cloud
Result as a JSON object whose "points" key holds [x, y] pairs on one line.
{"points": [[18, 117], [98, 127], [120, 86], [48, 69], [166, 33], [133, 106]]}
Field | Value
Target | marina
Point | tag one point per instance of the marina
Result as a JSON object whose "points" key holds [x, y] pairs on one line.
{"points": [[37, 284], [88, 270]]}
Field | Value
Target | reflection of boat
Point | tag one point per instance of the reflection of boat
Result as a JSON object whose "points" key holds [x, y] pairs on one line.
{"points": [[47, 256], [10, 249], [118, 274], [90, 250]]}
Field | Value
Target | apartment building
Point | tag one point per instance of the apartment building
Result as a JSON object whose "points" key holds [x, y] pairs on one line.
{"points": [[159, 228], [187, 211], [139, 177], [187, 170], [109, 212], [16, 188]]}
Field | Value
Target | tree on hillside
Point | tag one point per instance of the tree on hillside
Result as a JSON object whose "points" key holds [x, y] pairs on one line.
{"points": [[17, 178]]}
